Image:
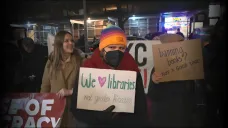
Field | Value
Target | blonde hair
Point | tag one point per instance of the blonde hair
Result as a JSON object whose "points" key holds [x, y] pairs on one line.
{"points": [[56, 56]]}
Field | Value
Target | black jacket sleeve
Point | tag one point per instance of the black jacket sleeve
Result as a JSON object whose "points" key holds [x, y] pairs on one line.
{"points": [[151, 83], [84, 116], [139, 118], [140, 102]]}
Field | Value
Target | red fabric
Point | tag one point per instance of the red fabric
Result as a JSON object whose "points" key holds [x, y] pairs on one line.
{"points": [[127, 63]]}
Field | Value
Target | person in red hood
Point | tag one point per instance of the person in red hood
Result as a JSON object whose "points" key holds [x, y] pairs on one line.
{"points": [[111, 55]]}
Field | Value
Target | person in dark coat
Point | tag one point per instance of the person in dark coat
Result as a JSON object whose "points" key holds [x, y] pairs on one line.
{"points": [[11, 57], [81, 43], [111, 55], [215, 74], [180, 33], [34, 57], [172, 103], [195, 34]]}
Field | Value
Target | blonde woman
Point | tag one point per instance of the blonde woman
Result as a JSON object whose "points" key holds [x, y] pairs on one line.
{"points": [[61, 71]]}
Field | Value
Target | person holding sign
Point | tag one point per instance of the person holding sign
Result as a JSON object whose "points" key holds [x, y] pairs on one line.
{"points": [[172, 101], [60, 72], [111, 55]]}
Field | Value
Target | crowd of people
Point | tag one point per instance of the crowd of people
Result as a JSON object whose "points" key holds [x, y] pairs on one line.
{"points": [[24, 62], [29, 68]]}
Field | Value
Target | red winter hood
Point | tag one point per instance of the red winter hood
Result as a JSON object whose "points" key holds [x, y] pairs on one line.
{"points": [[127, 63]]}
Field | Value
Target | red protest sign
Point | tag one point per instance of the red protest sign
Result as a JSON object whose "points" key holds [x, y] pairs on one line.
{"points": [[33, 109]]}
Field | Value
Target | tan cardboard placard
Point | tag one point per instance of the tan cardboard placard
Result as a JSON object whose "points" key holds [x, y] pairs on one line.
{"points": [[100, 88], [179, 60]]}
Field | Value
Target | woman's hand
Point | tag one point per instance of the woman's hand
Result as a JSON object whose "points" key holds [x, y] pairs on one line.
{"points": [[64, 92], [156, 77]]}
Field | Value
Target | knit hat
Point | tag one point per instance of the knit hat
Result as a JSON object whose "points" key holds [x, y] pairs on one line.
{"points": [[112, 35]]}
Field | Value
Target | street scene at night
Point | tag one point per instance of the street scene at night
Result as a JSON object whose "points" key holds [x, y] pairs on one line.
{"points": [[114, 63]]}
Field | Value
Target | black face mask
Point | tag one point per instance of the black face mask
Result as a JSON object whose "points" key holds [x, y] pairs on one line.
{"points": [[113, 58]]}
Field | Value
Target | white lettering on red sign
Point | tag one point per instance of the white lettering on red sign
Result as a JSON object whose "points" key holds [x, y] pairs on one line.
{"points": [[18, 121]]}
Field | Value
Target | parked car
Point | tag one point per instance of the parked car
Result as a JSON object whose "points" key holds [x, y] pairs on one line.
{"points": [[130, 38]]}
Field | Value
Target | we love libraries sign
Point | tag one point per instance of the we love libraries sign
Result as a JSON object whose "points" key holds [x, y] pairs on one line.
{"points": [[100, 88]]}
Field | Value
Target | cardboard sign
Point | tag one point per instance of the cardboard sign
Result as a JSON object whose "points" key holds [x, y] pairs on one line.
{"points": [[179, 61], [142, 52], [100, 88], [32, 110]]}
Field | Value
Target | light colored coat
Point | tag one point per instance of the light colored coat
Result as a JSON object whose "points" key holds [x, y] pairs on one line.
{"points": [[65, 78]]}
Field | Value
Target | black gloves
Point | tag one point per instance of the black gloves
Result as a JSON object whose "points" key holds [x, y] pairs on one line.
{"points": [[105, 116]]}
